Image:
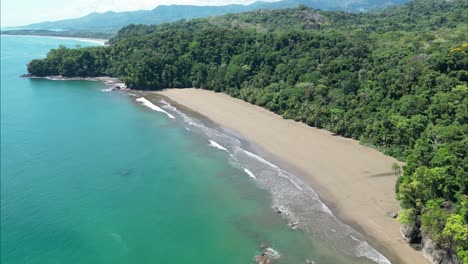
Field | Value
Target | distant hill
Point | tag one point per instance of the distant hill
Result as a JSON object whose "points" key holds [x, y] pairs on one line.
{"points": [[113, 21]]}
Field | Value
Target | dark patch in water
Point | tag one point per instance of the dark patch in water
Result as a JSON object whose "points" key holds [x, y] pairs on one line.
{"points": [[240, 225], [126, 172]]}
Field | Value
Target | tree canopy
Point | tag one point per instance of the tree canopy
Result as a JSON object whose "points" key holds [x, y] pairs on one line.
{"points": [[393, 79]]}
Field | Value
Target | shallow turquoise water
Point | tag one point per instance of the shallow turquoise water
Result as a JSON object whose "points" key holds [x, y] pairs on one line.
{"points": [[95, 177]]}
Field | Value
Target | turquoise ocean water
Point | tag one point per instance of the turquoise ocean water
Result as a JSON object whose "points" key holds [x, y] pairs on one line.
{"points": [[89, 176]]}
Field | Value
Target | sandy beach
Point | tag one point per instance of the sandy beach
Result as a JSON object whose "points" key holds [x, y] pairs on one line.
{"points": [[100, 42], [355, 181]]}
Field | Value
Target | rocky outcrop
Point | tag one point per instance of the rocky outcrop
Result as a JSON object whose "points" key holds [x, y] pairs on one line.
{"points": [[410, 233], [114, 83], [436, 255], [262, 259], [267, 256]]}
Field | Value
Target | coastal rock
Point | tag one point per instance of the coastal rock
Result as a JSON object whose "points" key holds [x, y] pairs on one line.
{"points": [[267, 256], [27, 75], [262, 259], [116, 88], [410, 233], [436, 255], [277, 210]]}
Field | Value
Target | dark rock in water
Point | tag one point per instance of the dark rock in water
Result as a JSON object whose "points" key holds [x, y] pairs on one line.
{"points": [[394, 215], [27, 75], [267, 256], [277, 210], [410, 233], [125, 173], [116, 88], [262, 259], [437, 255]]}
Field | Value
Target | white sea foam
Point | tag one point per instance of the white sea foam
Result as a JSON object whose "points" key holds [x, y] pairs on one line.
{"points": [[168, 106], [272, 254], [297, 201], [250, 174], [281, 172], [153, 107], [326, 209], [260, 159], [218, 146], [186, 119], [365, 250], [284, 198]]}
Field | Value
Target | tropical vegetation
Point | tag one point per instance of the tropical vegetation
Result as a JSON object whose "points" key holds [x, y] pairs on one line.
{"points": [[395, 79]]}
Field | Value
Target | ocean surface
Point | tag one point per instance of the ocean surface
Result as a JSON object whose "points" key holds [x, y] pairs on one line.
{"points": [[91, 176]]}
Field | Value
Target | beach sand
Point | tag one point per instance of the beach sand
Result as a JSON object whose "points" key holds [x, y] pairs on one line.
{"points": [[100, 42], [355, 181]]}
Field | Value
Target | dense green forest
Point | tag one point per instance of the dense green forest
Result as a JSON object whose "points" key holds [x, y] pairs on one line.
{"points": [[394, 79]]}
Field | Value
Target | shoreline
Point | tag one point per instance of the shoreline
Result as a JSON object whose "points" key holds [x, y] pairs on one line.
{"points": [[379, 229], [89, 40], [114, 84], [362, 192]]}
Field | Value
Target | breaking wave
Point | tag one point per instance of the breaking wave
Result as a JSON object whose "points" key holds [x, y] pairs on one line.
{"points": [[296, 201], [150, 105]]}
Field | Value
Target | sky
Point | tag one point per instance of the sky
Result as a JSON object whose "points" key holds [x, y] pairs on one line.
{"points": [[23, 12]]}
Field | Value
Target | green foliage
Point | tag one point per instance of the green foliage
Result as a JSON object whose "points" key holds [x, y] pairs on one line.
{"points": [[407, 216], [395, 80], [455, 230], [85, 62]]}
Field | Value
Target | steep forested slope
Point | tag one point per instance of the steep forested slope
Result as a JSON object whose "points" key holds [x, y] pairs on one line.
{"points": [[395, 80]]}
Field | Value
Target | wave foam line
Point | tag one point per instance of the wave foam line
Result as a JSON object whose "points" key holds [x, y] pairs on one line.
{"points": [[218, 146], [186, 119], [250, 173], [150, 105], [272, 254], [281, 173], [363, 249]]}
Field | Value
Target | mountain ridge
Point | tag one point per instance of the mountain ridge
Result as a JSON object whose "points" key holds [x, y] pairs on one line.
{"points": [[111, 21]]}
